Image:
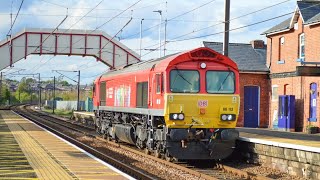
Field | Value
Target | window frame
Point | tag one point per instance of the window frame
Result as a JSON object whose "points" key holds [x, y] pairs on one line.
{"points": [[300, 45], [272, 93], [280, 49], [159, 83]]}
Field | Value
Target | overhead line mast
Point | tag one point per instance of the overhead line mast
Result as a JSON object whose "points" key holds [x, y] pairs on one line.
{"points": [[226, 28]]}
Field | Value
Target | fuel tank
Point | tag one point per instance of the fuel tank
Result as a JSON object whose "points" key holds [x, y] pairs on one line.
{"points": [[125, 133]]}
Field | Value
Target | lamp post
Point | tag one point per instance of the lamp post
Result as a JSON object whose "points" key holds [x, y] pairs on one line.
{"points": [[54, 94], [226, 28], [160, 13], [78, 82], [141, 35], [39, 86]]}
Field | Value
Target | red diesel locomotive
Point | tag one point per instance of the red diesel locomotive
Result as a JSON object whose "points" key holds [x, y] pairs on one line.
{"points": [[184, 105]]}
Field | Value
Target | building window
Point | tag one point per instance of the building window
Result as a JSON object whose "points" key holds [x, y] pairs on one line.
{"points": [[282, 41], [280, 58], [275, 93], [295, 26], [301, 46]]}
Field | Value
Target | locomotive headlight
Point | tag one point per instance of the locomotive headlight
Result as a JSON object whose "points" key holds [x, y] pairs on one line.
{"points": [[228, 117], [181, 116], [203, 65], [224, 117], [175, 116]]}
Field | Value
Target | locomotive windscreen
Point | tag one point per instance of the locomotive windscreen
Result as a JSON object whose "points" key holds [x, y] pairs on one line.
{"points": [[184, 81], [220, 82]]}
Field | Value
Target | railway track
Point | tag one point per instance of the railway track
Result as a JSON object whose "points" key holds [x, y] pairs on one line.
{"points": [[199, 170]]}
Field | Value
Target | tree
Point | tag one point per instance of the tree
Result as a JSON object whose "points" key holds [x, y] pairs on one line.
{"points": [[23, 91], [64, 83]]}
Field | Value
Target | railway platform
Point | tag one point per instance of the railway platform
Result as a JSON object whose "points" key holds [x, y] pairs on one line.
{"points": [[29, 152], [294, 140], [295, 153]]}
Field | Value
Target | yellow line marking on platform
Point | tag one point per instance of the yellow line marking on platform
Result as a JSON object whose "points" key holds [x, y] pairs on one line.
{"points": [[39, 159], [47, 147]]}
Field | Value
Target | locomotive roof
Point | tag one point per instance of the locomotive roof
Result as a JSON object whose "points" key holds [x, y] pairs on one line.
{"points": [[198, 53], [137, 66]]}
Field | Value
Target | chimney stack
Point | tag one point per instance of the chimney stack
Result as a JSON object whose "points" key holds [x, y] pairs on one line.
{"points": [[257, 44]]}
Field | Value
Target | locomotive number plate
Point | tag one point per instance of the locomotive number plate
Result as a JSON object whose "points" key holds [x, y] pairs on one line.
{"points": [[202, 103]]}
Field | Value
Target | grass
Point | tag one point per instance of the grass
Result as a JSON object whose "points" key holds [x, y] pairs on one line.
{"points": [[59, 112]]}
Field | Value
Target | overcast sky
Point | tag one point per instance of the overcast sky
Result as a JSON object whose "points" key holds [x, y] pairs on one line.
{"points": [[186, 19]]}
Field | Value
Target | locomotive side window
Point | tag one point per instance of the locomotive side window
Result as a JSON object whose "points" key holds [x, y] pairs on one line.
{"points": [[220, 82], [103, 93], [159, 84], [142, 94], [184, 81]]}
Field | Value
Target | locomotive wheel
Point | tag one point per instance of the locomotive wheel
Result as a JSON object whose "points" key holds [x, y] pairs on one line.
{"points": [[146, 151], [157, 153], [167, 157]]}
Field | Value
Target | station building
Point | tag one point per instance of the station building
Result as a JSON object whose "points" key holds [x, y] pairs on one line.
{"points": [[254, 81], [293, 52]]}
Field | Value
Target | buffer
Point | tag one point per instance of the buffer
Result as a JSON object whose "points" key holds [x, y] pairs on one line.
{"points": [[66, 42]]}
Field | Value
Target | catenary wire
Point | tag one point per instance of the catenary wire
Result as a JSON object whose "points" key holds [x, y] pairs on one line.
{"points": [[10, 30], [253, 12], [65, 31], [129, 36], [95, 29]]}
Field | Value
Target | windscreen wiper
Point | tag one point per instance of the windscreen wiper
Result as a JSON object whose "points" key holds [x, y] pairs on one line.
{"points": [[182, 76], [224, 80]]}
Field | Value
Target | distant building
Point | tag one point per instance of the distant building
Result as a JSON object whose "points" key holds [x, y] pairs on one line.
{"points": [[294, 47], [254, 81]]}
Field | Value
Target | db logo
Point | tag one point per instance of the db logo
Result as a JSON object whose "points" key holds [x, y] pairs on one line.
{"points": [[202, 103]]}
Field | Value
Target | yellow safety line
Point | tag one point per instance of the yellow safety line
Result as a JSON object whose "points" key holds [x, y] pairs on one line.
{"points": [[44, 166]]}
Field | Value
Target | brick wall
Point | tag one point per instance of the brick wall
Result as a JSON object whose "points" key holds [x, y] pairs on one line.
{"points": [[295, 162], [297, 85], [261, 80]]}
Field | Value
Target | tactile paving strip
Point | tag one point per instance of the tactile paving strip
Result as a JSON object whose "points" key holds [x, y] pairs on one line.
{"points": [[52, 158], [13, 163]]}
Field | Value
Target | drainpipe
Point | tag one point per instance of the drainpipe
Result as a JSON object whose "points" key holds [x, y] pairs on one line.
{"points": [[270, 102]]}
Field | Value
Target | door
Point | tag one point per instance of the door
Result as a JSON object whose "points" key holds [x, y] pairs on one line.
{"points": [[251, 106], [142, 95], [313, 102], [103, 94]]}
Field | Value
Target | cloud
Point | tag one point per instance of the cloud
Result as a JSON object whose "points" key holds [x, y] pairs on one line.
{"points": [[40, 14]]}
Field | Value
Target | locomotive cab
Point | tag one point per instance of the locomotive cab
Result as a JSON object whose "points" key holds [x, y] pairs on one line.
{"points": [[202, 106]]}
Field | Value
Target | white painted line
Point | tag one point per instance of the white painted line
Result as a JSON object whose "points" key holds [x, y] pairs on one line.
{"points": [[83, 151], [278, 144]]}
